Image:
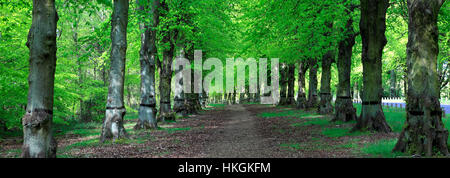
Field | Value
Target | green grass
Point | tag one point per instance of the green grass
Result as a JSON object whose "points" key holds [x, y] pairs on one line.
{"points": [[7, 134], [381, 148], [86, 143], [396, 117], [217, 105], [352, 144], [319, 122], [86, 132], [131, 116], [294, 146], [284, 113], [78, 128], [340, 132], [172, 130]]}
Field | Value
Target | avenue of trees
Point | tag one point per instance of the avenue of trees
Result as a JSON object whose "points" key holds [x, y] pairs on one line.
{"points": [[96, 61]]}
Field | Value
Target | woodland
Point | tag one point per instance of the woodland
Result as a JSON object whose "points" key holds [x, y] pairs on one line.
{"points": [[357, 78]]}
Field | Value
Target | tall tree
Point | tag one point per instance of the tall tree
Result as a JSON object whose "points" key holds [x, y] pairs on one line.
{"points": [[424, 133], [179, 106], [115, 109], [191, 97], [284, 71], [325, 106], [148, 56], [344, 110], [301, 94], [392, 83], [312, 91], [38, 141], [169, 34], [291, 82], [372, 26]]}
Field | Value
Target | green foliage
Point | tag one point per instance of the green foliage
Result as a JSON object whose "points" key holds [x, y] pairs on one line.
{"points": [[291, 30]]}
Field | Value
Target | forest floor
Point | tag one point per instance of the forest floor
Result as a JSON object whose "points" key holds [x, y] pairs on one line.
{"points": [[231, 131]]}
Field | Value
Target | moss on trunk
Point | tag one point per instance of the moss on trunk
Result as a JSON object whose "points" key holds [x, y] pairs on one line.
{"points": [[424, 133]]}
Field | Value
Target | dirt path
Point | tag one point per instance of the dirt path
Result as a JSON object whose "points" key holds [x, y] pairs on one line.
{"points": [[239, 137]]}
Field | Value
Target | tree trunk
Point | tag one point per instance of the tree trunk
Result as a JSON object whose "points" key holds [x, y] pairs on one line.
{"points": [[291, 82], [179, 106], [373, 27], [301, 94], [83, 114], [356, 91], [258, 94], [189, 97], [325, 106], [312, 93], [165, 109], [148, 56], [233, 98], [115, 108], [38, 141], [393, 83], [204, 99], [424, 133], [405, 84], [283, 84], [344, 110]]}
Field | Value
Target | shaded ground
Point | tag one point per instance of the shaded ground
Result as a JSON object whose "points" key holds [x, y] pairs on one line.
{"points": [[240, 137], [231, 131]]}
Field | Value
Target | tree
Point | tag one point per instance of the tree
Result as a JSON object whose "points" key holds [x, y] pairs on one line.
{"points": [[372, 27], [312, 91], [393, 83], [344, 110], [38, 141], [424, 133], [301, 94], [169, 35], [291, 82], [148, 56], [179, 106], [112, 127], [325, 106], [284, 71]]}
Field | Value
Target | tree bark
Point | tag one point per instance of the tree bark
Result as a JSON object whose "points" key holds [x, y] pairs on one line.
{"points": [[165, 109], [325, 106], [283, 84], [424, 133], [344, 110], [115, 109], [166, 113], [312, 93], [301, 94], [148, 55], [393, 83], [373, 27], [179, 106], [291, 82], [38, 141]]}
